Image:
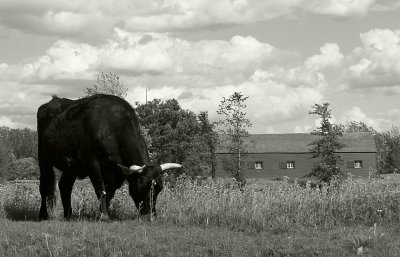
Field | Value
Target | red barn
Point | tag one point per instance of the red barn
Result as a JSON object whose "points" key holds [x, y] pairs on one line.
{"points": [[278, 155]]}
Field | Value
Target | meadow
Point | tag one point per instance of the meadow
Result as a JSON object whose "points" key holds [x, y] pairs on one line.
{"points": [[212, 218]]}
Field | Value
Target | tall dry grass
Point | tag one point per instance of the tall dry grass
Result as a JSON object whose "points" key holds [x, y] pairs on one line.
{"points": [[281, 205]]}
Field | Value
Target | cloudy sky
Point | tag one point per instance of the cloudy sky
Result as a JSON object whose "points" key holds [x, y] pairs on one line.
{"points": [[286, 55]]}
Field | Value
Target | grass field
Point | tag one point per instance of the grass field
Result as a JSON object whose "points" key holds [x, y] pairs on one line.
{"points": [[213, 219]]}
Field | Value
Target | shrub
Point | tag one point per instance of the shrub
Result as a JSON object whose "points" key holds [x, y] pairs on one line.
{"points": [[24, 168], [23, 204]]}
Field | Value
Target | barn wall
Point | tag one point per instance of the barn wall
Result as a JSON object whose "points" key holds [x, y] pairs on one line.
{"points": [[303, 164], [368, 160]]}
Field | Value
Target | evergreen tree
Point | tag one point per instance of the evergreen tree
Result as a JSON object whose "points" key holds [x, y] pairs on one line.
{"points": [[210, 138], [329, 165]]}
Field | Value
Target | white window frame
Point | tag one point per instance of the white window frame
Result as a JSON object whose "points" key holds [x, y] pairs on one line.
{"points": [[258, 165], [290, 165], [358, 164]]}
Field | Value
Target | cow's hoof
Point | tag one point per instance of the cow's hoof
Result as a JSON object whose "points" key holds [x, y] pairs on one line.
{"points": [[104, 217]]}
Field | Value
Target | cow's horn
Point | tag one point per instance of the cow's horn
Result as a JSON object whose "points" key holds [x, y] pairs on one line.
{"points": [[167, 166], [137, 168], [131, 170]]}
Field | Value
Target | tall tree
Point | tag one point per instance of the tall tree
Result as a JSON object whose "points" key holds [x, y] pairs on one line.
{"points": [[329, 165], [107, 83], [210, 138], [175, 134], [234, 125]]}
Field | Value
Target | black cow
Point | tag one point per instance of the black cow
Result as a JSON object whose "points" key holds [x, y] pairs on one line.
{"points": [[96, 137]]}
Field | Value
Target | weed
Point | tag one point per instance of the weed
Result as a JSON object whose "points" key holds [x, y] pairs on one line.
{"points": [[279, 206]]}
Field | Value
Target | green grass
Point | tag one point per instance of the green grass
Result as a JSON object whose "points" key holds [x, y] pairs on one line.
{"points": [[138, 238], [215, 218]]}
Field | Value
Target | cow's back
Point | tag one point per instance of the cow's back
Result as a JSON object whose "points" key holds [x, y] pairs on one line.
{"points": [[100, 126]]}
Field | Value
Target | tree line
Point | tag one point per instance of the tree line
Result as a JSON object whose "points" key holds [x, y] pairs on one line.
{"points": [[174, 134]]}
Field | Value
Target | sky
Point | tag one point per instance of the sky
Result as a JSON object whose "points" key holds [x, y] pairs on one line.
{"points": [[285, 55]]}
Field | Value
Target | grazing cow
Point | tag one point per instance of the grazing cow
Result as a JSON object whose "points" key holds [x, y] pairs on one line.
{"points": [[96, 137]]}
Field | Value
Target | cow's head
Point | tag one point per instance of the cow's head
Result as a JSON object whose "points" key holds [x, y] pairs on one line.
{"points": [[145, 183]]}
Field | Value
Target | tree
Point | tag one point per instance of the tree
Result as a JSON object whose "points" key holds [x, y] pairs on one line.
{"points": [[22, 143], [5, 158], [356, 126], [387, 145], [329, 165], [234, 126], [210, 138], [176, 135], [17, 146], [388, 150], [107, 83]]}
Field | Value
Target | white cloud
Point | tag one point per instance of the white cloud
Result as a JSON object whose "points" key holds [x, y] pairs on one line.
{"points": [[82, 18], [303, 129], [269, 130], [356, 114], [135, 54], [330, 56], [181, 14], [5, 121], [203, 71], [19, 104], [139, 53], [162, 53], [157, 59], [339, 7], [382, 122], [376, 64], [67, 60], [386, 5]]}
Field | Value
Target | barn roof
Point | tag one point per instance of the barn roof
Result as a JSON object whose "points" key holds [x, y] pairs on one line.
{"points": [[298, 143]]}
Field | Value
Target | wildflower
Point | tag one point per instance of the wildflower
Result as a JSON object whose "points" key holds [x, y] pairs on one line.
{"points": [[360, 250]]}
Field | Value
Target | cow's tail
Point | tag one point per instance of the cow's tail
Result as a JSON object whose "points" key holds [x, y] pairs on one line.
{"points": [[48, 186]]}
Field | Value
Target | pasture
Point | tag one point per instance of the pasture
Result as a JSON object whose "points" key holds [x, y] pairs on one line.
{"points": [[212, 218]]}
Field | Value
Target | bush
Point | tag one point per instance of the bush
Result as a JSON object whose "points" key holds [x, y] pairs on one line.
{"points": [[23, 204], [24, 168]]}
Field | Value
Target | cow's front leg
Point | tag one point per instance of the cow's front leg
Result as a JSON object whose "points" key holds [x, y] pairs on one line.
{"points": [[99, 188]]}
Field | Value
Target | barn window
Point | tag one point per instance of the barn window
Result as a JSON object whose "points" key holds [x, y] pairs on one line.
{"points": [[287, 165], [290, 165], [258, 165], [358, 164]]}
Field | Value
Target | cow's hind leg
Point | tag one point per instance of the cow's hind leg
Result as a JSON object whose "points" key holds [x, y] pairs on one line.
{"points": [[65, 185], [46, 188]]}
